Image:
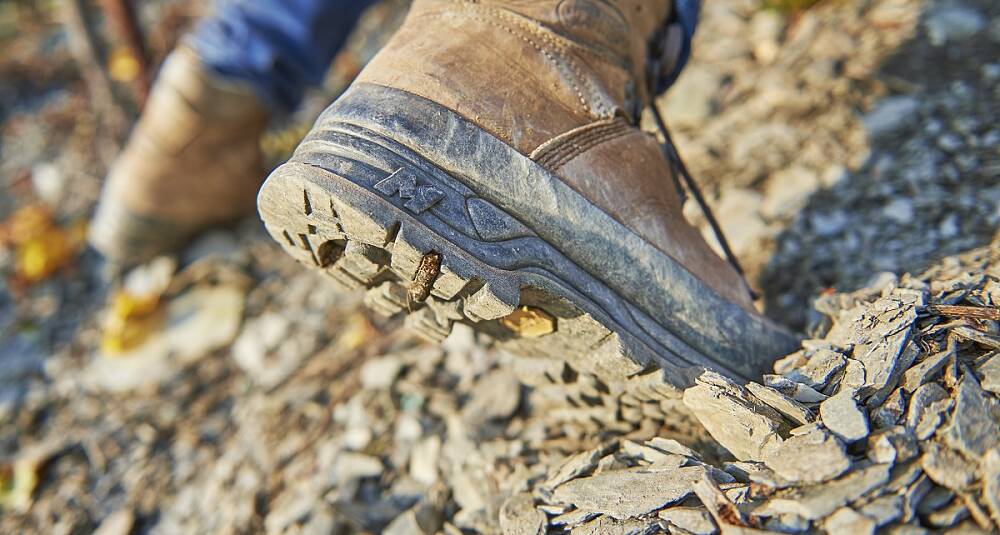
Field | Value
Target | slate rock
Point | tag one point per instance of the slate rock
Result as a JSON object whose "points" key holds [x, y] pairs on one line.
{"points": [[576, 466], [890, 411], [694, 520], [990, 372], [891, 114], [883, 509], [926, 407], [847, 520], [629, 493], [739, 423], [788, 407], [496, 397], [842, 416], [880, 335], [820, 369], [989, 473], [925, 370], [797, 391], [819, 501], [947, 467], [893, 445], [953, 23], [811, 458], [518, 516], [975, 422]]}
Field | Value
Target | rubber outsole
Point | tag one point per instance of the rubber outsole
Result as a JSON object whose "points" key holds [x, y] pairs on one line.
{"points": [[373, 213]]}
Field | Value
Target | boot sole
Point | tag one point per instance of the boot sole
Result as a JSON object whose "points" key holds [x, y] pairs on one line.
{"points": [[390, 192]]}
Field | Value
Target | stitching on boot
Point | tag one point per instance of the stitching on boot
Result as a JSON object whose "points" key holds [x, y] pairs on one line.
{"points": [[584, 147], [554, 47], [559, 150], [560, 45]]}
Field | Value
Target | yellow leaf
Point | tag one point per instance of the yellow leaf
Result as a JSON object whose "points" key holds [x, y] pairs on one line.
{"points": [[17, 483], [130, 321], [43, 254], [122, 65]]}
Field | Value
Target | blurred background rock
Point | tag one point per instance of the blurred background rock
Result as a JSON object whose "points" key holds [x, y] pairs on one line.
{"points": [[229, 391]]}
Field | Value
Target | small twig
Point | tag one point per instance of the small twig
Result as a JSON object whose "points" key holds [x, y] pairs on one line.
{"points": [[123, 20], [85, 47], [960, 311]]}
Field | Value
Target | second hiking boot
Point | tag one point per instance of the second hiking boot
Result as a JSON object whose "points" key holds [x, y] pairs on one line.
{"points": [[486, 168]]}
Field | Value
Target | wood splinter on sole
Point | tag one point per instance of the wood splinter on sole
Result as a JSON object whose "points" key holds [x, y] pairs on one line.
{"points": [[423, 279], [529, 322]]}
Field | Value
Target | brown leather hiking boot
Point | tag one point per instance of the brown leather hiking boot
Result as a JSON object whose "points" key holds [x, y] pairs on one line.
{"points": [[485, 168], [193, 161]]}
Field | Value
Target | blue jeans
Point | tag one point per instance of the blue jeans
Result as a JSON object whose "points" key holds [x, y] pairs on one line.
{"points": [[278, 47], [281, 47]]}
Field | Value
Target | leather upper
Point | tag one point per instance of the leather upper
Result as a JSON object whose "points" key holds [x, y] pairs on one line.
{"points": [[560, 81]]}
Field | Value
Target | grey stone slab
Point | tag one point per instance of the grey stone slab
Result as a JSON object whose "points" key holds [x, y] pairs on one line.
{"points": [[694, 520], [841, 415], [811, 458], [926, 408], [975, 422], [947, 467], [629, 493], [847, 520], [797, 391], [890, 411], [819, 501], [576, 465], [989, 370], [895, 444], [883, 509], [819, 370], [989, 473], [925, 370], [880, 337], [788, 407], [518, 516], [739, 423], [572, 518]]}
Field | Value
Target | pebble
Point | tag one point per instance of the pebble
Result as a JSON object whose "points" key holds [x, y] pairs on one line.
{"points": [[893, 445], [946, 467], [846, 520], [694, 520], [891, 114], [841, 415], [952, 24], [380, 373], [518, 516], [791, 409]]}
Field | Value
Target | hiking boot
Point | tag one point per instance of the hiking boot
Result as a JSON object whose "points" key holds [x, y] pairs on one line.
{"points": [[486, 168], [192, 162]]}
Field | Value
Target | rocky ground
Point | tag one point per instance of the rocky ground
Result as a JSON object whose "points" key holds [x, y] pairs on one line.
{"points": [[229, 391]]}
